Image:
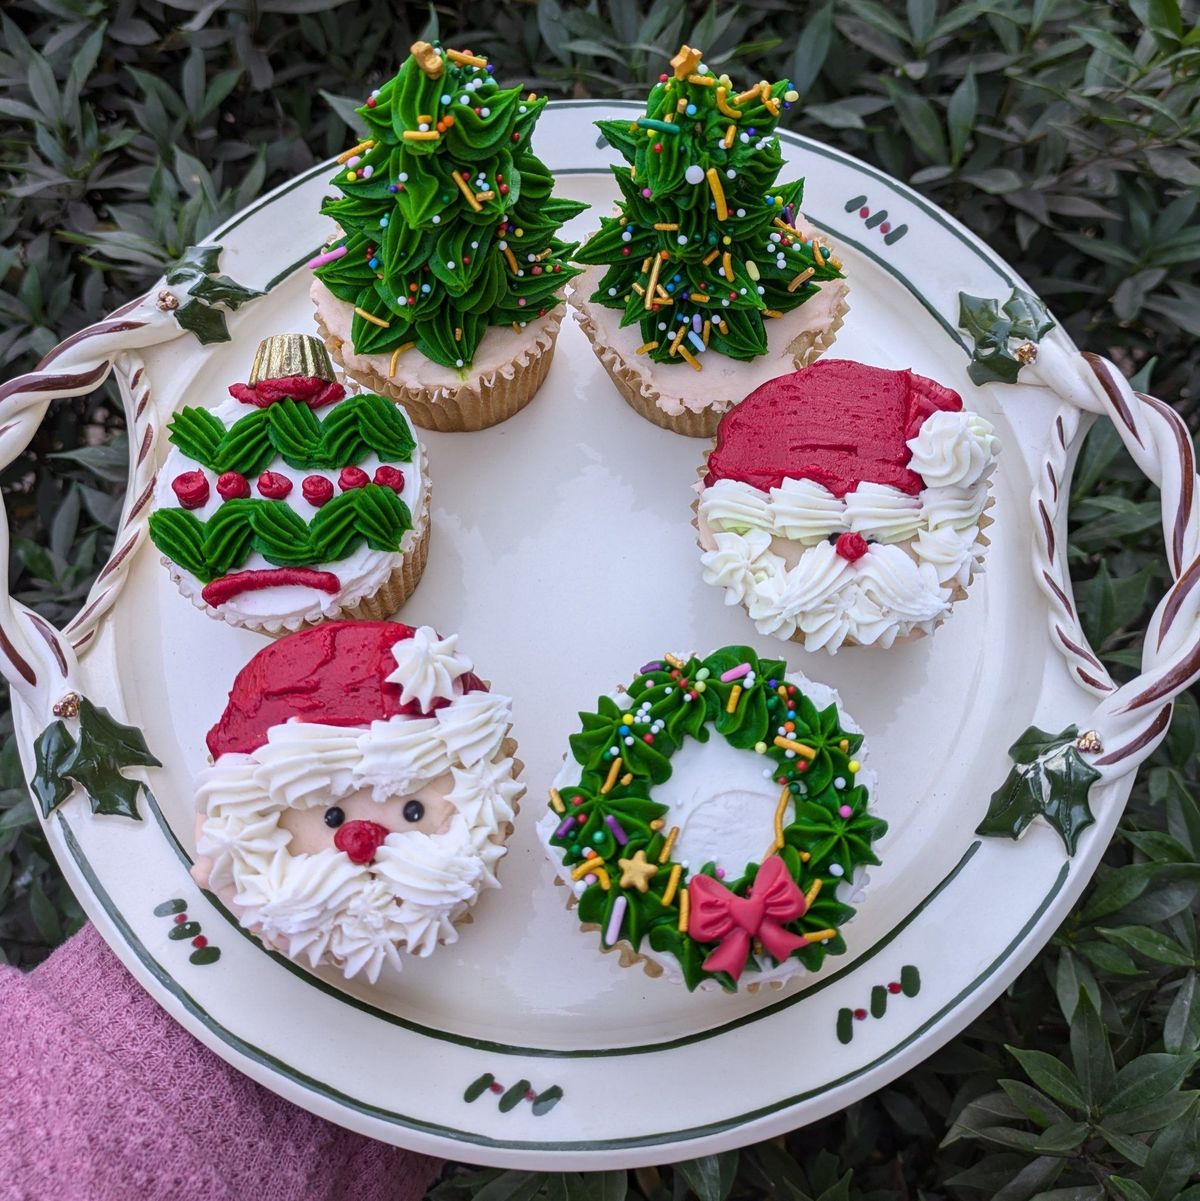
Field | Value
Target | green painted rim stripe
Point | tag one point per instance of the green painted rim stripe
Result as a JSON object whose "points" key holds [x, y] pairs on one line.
{"points": [[261, 1057], [480, 1044]]}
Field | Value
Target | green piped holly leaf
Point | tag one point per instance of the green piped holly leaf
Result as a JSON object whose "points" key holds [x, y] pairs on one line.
{"points": [[104, 748], [207, 324], [1049, 779], [51, 750], [992, 327]]}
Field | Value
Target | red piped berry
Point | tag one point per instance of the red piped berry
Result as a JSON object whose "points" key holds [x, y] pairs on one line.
{"points": [[851, 547], [317, 490], [530, 1095], [860, 1015], [389, 477], [199, 941], [353, 477], [360, 840], [497, 1087], [232, 485], [180, 918], [893, 988], [864, 211], [274, 486], [191, 489]]}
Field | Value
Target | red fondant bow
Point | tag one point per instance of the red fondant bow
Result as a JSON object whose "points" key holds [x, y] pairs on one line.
{"points": [[718, 915]]}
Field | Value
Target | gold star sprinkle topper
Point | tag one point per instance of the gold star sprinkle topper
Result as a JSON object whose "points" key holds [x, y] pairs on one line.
{"points": [[686, 61], [636, 872], [428, 59]]}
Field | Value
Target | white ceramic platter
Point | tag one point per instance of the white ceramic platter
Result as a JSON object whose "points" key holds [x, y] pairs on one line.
{"points": [[563, 554]]}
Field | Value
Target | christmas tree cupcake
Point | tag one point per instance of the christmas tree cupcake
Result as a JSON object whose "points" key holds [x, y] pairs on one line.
{"points": [[713, 820], [291, 502], [707, 282], [361, 790], [845, 505], [443, 286]]}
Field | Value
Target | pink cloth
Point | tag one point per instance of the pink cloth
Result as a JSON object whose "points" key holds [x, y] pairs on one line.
{"points": [[104, 1098]]}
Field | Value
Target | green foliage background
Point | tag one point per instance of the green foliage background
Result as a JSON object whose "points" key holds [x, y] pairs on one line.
{"points": [[1064, 132]]}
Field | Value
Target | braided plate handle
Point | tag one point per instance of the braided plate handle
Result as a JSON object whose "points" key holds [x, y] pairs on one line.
{"points": [[1129, 721], [37, 660]]}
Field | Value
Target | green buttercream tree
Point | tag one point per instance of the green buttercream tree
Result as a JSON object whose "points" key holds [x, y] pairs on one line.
{"points": [[448, 219], [704, 247]]}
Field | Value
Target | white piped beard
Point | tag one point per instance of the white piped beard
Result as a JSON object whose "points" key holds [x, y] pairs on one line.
{"points": [[323, 907]]}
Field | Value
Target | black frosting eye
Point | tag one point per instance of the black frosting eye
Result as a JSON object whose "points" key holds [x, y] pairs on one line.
{"points": [[414, 811], [334, 816]]}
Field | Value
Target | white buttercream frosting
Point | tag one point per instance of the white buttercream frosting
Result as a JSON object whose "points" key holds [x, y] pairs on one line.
{"points": [[322, 907], [773, 551], [427, 666], [953, 449]]}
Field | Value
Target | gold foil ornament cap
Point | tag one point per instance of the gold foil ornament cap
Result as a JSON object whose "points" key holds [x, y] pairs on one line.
{"points": [[283, 355]]}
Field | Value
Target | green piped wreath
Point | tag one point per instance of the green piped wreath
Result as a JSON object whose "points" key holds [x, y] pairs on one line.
{"points": [[668, 702]]}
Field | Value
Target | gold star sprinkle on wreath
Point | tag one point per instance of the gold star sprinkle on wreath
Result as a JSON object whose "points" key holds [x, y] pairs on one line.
{"points": [[636, 872]]}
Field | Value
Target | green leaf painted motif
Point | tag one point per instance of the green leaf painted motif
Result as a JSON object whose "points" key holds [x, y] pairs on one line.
{"points": [[1022, 318], [373, 514], [94, 761], [197, 267], [49, 785], [354, 428], [1049, 779], [206, 323]]}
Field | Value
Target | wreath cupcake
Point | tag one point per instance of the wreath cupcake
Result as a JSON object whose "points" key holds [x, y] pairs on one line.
{"points": [[293, 503], [845, 505], [736, 865]]}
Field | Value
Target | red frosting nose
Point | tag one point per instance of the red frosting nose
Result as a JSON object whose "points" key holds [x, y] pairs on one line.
{"points": [[360, 840]]}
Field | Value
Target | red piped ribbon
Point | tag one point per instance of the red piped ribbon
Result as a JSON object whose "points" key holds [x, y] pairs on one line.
{"points": [[228, 586], [304, 389], [718, 915]]}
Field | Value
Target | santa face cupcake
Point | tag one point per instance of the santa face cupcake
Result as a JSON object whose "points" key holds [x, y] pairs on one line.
{"points": [[293, 503], [845, 504], [361, 790], [714, 820], [443, 284]]}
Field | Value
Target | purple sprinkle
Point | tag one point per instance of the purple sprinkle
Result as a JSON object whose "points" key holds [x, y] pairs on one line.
{"points": [[646, 668], [615, 827], [735, 673], [720, 873], [562, 830], [772, 683], [589, 879]]}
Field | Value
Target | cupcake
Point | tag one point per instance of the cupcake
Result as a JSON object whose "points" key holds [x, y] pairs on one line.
{"points": [[441, 288], [845, 505], [713, 821], [707, 282], [360, 792], [291, 502]]}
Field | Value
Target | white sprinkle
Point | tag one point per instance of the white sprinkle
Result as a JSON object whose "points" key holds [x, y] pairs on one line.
{"points": [[450, 265], [840, 782], [403, 177], [694, 174], [682, 239], [836, 869], [436, 219], [445, 99], [458, 362]]}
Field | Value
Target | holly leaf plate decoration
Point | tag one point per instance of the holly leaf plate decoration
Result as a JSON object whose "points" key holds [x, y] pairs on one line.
{"points": [[1049, 779], [992, 326], [197, 269], [94, 760]]}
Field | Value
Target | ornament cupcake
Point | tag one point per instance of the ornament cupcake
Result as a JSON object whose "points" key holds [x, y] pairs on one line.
{"points": [[361, 790], [845, 505], [292, 502], [707, 281], [713, 821], [443, 285]]}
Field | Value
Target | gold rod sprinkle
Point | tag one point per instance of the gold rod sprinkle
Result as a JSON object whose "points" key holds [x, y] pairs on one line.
{"points": [[708, 258], [684, 903], [646, 346], [723, 105], [802, 278], [689, 358], [349, 154], [613, 772], [467, 60], [701, 297], [790, 744], [581, 869], [727, 140], [812, 893], [772, 313], [665, 853], [735, 695], [784, 796], [372, 319], [627, 779], [666, 225], [672, 884], [556, 801], [396, 357], [818, 935], [672, 661], [421, 135], [718, 192], [704, 81], [683, 329], [652, 283], [513, 265], [706, 333], [727, 266], [465, 189]]}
